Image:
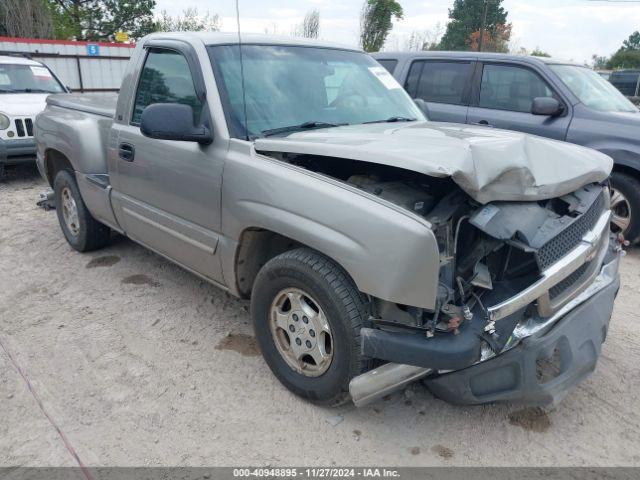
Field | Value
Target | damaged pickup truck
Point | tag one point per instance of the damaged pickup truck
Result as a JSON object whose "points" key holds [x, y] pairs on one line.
{"points": [[377, 248]]}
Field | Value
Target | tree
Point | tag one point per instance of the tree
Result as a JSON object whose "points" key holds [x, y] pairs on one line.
{"points": [[496, 41], [632, 43], [376, 22], [628, 56], [190, 21], [101, 19], [415, 41], [467, 17], [25, 18], [424, 40], [539, 53], [310, 26], [599, 62], [625, 59]]}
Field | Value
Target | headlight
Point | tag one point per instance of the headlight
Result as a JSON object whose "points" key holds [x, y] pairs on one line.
{"points": [[4, 122]]}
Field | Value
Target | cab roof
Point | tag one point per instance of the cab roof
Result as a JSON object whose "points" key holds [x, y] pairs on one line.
{"points": [[486, 56], [16, 60], [231, 38]]}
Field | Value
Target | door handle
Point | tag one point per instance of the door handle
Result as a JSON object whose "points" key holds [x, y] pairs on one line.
{"points": [[126, 152], [482, 123]]}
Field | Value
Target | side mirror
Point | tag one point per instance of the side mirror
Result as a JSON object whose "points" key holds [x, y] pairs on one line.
{"points": [[422, 105], [172, 121], [546, 106]]}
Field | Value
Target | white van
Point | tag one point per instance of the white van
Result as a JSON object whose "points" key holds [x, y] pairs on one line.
{"points": [[24, 86]]}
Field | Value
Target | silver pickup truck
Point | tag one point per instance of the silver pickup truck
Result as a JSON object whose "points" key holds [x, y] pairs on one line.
{"points": [[377, 248]]}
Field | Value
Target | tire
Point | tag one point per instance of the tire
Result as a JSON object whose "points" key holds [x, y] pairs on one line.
{"points": [[327, 287], [629, 188], [85, 233]]}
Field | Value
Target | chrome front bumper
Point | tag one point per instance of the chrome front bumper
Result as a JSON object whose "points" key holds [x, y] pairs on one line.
{"points": [[544, 358], [592, 248], [606, 275], [581, 320]]}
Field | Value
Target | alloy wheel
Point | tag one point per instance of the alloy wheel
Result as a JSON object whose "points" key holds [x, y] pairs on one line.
{"points": [[301, 332]]}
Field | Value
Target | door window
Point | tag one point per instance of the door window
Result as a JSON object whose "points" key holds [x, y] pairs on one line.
{"points": [[165, 78], [389, 64], [439, 82], [511, 88]]}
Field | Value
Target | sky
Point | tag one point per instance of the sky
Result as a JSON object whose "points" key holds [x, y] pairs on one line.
{"points": [[566, 29]]}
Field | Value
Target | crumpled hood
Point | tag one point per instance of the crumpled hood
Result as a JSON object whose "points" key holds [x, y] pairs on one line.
{"points": [[22, 104], [488, 164]]}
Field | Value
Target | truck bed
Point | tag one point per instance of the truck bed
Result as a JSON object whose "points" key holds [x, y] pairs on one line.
{"points": [[102, 104]]}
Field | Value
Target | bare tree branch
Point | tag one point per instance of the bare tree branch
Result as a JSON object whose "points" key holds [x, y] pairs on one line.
{"points": [[25, 18]]}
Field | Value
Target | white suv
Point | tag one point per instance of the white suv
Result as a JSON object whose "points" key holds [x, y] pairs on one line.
{"points": [[24, 86]]}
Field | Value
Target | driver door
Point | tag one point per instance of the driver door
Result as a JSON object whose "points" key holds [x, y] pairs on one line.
{"points": [[166, 194]]}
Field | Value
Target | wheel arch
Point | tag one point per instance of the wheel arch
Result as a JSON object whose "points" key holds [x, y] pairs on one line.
{"points": [[627, 169], [54, 161], [255, 248]]}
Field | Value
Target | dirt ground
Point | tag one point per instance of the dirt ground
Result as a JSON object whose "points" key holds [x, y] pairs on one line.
{"points": [[120, 358]]}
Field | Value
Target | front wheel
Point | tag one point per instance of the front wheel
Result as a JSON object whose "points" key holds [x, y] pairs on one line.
{"points": [[307, 314], [83, 232], [625, 206]]}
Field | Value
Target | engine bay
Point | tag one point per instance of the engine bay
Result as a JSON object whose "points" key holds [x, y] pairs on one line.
{"points": [[488, 253]]}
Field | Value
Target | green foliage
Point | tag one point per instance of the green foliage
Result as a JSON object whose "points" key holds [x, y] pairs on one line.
{"points": [[189, 21], [625, 59], [466, 19], [539, 53], [628, 56], [632, 43], [376, 22], [101, 19]]}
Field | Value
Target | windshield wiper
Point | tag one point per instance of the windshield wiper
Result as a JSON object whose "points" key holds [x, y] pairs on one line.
{"points": [[393, 119], [303, 126]]}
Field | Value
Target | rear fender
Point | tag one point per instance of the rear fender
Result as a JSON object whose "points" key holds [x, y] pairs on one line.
{"points": [[78, 139]]}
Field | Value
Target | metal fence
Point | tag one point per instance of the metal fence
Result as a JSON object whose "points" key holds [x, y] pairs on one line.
{"points": [[82, 66]]}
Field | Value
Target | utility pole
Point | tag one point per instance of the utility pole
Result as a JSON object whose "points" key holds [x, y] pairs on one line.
{"points": [[483, 24]]}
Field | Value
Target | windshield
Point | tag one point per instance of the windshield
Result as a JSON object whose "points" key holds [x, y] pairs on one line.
{"points": [[27, 79], [288, 86], [593, 90]]}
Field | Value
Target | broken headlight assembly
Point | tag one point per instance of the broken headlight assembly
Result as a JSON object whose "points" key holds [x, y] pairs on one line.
{"points": [[502, 263]]}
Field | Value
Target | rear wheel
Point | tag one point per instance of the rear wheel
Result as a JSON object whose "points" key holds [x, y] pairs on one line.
{"points": [[307, 314], [83, 232], [625, 206]]}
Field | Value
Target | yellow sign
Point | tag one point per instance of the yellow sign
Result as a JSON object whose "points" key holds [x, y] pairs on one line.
{"points": [[122, 36]]}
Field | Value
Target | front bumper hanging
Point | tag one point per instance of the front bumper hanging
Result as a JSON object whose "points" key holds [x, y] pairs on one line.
{"points": [[541, 361], [544, 366]]}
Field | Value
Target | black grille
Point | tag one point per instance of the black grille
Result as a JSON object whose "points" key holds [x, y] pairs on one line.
{"points": [[19, 128], [559, 288], [29, 124], [570, 237]]}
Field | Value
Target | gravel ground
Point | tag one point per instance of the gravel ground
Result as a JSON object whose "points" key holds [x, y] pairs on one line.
{"points": [[120, 358]]}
